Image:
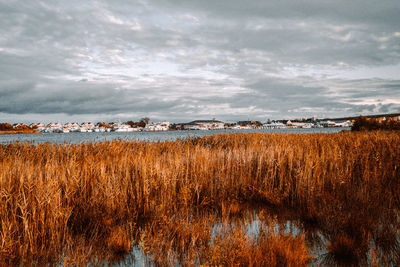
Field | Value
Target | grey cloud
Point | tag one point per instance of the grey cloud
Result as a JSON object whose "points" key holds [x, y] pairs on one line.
{"points": [[360, 11], [74, 98], [186, 59]]}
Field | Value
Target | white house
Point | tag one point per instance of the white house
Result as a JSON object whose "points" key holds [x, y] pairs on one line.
{"points": [[205, 125]]}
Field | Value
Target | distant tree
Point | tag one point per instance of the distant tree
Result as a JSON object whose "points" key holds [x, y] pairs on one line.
{"points": [[104, 124], [6, 127], [22, 127], [141, 124], [146, 120], [391, 124], [364, 124], [359, 124], [256, 123], [131, 123]]}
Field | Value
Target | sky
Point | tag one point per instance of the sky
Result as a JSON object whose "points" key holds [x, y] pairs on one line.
{"points": [[180, 60]]}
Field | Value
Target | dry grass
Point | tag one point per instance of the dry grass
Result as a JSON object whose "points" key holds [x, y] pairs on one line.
{"points": [[81, 203], [20, 132]]}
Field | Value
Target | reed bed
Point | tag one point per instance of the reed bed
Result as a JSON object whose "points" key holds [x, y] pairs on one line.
{"points": [[93, 202]]}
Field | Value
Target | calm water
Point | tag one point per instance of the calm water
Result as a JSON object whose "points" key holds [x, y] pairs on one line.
{"points": [[76, 138]]}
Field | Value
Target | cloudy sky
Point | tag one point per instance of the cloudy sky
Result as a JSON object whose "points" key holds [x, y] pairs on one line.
{"points": [[179, 60]]}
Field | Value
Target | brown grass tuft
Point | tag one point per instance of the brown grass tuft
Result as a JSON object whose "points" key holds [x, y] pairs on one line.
{"points": [[119, 242], [235, 248]]}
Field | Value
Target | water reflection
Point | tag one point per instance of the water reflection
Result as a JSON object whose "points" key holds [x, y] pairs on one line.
{"points": [[344, 240]]}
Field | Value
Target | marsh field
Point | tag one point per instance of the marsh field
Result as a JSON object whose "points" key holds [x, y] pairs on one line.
{"points": [[250, 199]]}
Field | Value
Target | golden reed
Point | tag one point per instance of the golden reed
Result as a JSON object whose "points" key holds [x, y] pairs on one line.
{"points": [[93, 202]]}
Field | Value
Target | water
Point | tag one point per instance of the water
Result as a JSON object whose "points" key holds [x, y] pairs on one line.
{"points": [[76, 138]]}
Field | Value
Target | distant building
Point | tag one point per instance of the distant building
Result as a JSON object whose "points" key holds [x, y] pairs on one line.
{"points": [[125, 128], [201, 125], [250, 125], [274, 125], [157, 126], [209, 124], [53, 128], [344, 124], [243, 123], [327, 124]]}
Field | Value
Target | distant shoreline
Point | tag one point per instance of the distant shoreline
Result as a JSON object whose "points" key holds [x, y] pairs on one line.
{"points": [[19, 132]]}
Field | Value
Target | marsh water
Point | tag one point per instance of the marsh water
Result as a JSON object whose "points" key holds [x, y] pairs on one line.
{"points": [[75, 138], [319, 237]]}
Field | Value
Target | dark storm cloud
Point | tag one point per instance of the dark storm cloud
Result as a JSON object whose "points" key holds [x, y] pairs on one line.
{"points": [[181, 59], [76, 98], [342, 11]]}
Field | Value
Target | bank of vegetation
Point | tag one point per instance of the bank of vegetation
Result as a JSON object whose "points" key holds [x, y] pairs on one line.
{"points": [[370, 124], [6, 128], [192, 201]]}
